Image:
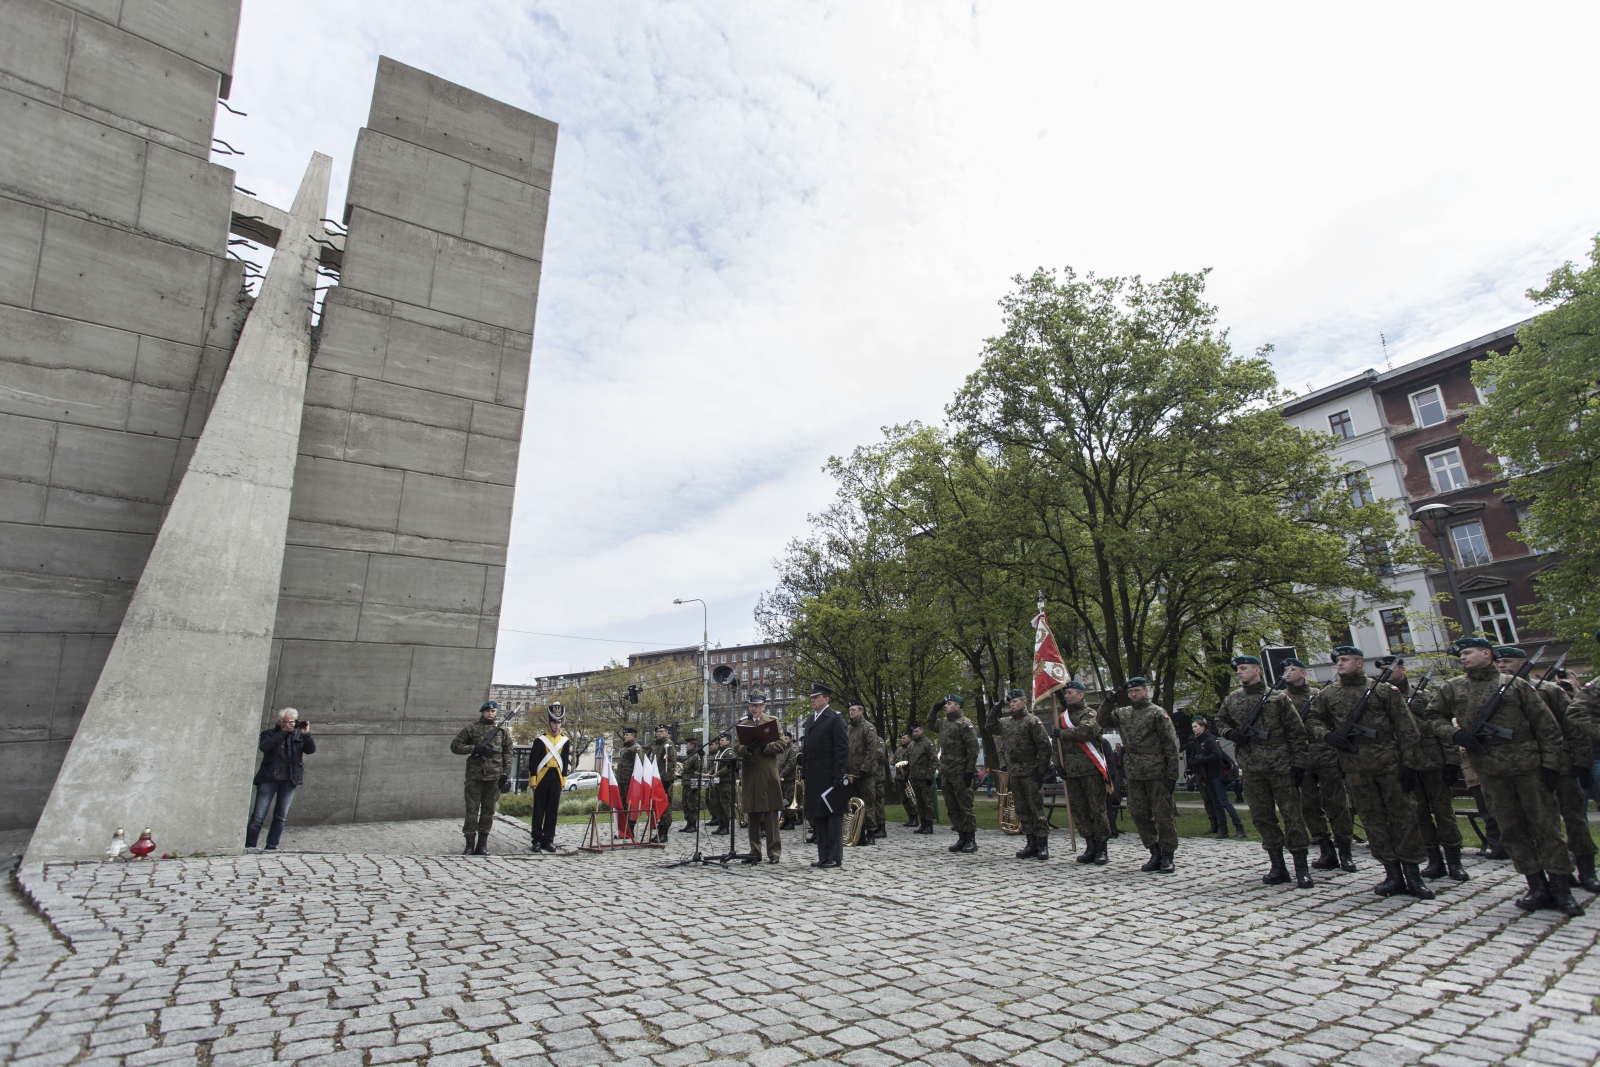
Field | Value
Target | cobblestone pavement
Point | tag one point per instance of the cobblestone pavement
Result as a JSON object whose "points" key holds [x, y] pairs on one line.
{"points": [[909, 954]]}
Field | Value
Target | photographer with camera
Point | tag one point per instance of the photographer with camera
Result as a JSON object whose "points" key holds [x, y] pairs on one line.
{"points": [[283, 748], [487, 746]]}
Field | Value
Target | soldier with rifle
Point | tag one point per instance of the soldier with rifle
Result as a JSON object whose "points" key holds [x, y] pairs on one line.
{"points": [[1518, 750], [487, 746], [1150, 765], [1324, 804], [1269, 741], [1575, 770], [1366, 721], [1438, 768]]}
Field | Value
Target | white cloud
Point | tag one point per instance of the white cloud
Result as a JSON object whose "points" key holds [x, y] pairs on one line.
{"points": [[777, 227]]}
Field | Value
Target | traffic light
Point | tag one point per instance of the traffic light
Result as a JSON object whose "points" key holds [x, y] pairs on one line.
{"points": [[633, 694]]}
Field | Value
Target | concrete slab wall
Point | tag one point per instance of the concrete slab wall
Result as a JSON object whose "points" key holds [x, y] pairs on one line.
{"points": [[401, 513], [118, 311]]}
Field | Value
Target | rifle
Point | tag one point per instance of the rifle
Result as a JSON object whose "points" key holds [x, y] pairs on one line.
{"points": [[485, 748], [1248, 728], [1415, 693], [1354, 715], [1480, 722]]}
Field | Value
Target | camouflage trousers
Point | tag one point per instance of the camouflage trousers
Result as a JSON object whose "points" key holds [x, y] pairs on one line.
{"points": [[958, 803], [881, 788], [1087, 796], [1530, 822], [1028, 798], [1436, 810], [482, 796], [1325, 806], [1390, 816], [872, 796], [691, 804], [1271, 794], [721, 802], [1154, 813], [923, 788], [1575, 813]]}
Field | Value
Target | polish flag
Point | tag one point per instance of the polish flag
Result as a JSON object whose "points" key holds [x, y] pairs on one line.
{"points": [[647, 792], [611, 794]]}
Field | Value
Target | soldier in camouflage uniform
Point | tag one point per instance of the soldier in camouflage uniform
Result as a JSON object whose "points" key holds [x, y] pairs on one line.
{"points": [[958, 771], [665, 753], [1025, 744], [690, 771], [1379, 758], [1324, 804], [722, 792], [488, 751], [622, 764], [865, 757], [1576, 729], [922, 762], [788, 763], [1150, 767], [898, 761], [1083, 785], [1274, 766], [1438, 768], [885, 784]]}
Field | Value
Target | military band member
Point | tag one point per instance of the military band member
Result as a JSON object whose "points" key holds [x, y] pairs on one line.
{"points": [[760, 790], [1150, 767], [1379, 758], [863, 770], [665, 753], [549, 763], [1274, 766], [1029, 755], [922, 762], [722, 791], [902, 781], [824, 767], [1324, 804], [1085, 786], [885, 783], [1438, 768], [690, 770], [788, 769], [488, 751], [959, 746]]}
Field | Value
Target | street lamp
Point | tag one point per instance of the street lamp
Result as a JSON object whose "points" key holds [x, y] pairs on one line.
{"points": [[1434, 517], [705, 669]]}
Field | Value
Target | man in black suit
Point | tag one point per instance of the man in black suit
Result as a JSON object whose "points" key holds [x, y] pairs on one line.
{"points": [[824, 761]]}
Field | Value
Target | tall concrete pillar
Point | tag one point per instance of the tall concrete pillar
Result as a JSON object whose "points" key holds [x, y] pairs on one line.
{"points": [[169, 736]]}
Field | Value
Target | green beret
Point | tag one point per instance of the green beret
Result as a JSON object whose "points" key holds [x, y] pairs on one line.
{"points": [[1509, 652], [1292, 662], [1240, 661], [1138, 680], [1074, 684], [1463, 643], [1347, 650], [1387, 661], [956, 697], [1015, 694]]}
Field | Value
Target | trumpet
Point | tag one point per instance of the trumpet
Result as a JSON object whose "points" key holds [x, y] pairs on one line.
{"points": [[794, 801]]}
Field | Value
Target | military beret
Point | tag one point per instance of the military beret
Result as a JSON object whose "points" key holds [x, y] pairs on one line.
{"points": [[1016, 694], [629, 730], [818, 689], [490, 705], [1509, 652], [1074, 684], [661, 726], [1292, 662], [957, 697], [1463, 643], [854, 702], [1138, 680], [1240, 661], [1387, 661], [724, 736], [1347, 650], [693, 741]]}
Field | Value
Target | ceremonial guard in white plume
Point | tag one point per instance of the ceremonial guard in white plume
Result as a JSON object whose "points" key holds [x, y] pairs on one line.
{"points": [[549, 763]]}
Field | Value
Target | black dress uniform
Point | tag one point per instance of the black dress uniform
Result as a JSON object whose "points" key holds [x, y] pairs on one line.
{"points": [[824, 766], [549, 763]]}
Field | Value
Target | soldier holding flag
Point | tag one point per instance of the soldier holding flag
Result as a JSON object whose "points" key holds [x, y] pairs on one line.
{"points": [[1077, 740]]}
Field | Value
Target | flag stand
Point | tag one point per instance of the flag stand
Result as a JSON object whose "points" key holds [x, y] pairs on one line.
{"points": [[593, 843]]}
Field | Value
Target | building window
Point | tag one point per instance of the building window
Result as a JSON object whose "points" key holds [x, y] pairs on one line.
{"points": [[1342, 427], [1360, 488], [1494, 620], [1342, 635], [1395, 629], [1379, 561], [1472, 548], [1447, 471], [1429, 405]]}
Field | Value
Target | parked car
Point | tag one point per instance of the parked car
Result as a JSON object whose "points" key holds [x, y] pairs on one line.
{"points": [[583, 780]]}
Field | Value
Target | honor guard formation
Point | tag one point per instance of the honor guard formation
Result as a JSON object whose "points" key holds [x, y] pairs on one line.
{"points": [[1368, 746]]}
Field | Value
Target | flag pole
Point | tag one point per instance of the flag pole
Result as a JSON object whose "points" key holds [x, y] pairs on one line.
{"points": [[1066, 794]]}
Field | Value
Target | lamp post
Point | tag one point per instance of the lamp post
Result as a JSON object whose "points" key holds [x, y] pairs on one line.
{"points": [[1434, 517], [705, 669]]}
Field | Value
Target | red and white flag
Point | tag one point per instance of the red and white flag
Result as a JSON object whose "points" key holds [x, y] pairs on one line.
{"points": [[1049, 674], [611, 794], [647, 792]]}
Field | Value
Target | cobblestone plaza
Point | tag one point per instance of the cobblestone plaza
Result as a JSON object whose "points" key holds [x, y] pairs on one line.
{"points": [[370, 944]]}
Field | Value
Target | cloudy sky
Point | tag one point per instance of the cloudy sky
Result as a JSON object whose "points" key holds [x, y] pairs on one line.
{"points": [[778, 227]]}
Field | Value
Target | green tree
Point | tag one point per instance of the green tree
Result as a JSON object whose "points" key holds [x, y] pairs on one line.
{"points": [[1541, 415]]}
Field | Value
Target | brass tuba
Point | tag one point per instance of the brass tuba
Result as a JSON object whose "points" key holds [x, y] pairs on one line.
{"points": [[855, 814], [1009, 823]]}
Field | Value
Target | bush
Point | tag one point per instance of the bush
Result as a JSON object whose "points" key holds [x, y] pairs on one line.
{"points": [[516, 805], [579, 807]]}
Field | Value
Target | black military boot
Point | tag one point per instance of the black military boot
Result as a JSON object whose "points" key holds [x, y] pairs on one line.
{"points": [[1561, 896], [1043, 851], [468, 850], [1452, 865], [1154, 862], [1091, 849], [1277, 874], [1302, 873], [1414, 883], [1165, 864], [1031, 850], [1538, 894], [926, 827], [970, 844], [688, 827], [1394, 881], [1100, 857], [718, 829], [1329, 859], [912, 823], [960, 840], [867, 839], [1347, 862], [1586, 879], [1435, 867], [482, 847]]}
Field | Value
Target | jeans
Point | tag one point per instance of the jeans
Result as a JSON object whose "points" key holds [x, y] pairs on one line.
{"points": [[265, 791], [1219, 797]]}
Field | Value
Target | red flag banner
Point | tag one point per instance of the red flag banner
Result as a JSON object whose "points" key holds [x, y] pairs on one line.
{"points": [[1049, 672]]}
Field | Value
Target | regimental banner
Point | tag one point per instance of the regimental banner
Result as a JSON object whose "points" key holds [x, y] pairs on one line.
{"points": [[1049, 672]]}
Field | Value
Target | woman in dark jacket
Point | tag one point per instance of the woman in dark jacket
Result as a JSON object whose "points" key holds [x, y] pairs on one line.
{"points": [[283, 749], [1206, 759]]}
